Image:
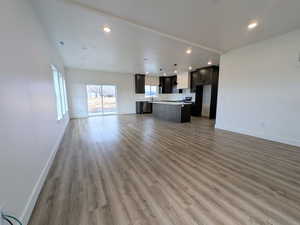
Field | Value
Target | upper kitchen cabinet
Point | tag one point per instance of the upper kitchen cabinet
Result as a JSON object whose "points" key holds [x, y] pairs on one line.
{"points": [[183, 80], [140, 84], [195, 80], [168, 84], [204, 76]]}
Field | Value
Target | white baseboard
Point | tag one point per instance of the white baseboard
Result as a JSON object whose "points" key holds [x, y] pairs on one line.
{"points": [[127, 113], [78, 116], [260, 135], [25, 217]]}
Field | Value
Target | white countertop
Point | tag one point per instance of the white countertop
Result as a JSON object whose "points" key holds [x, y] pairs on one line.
{"points": [[172, 103]]}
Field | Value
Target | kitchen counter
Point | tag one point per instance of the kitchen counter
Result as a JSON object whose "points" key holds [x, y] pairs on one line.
{"points": [[172, 111], [172, 103]]}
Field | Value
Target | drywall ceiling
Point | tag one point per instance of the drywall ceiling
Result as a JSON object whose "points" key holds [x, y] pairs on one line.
{"points": [[159, 31]]}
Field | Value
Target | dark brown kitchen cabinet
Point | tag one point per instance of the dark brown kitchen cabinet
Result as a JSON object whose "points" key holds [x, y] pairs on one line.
{"points": [[140, 84], [168, 84], [204, 76], [200, 78], [214, 95], [194, 80]]}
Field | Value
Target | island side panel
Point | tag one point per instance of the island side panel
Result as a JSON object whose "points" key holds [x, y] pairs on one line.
{"points": [[186, 113], [170, 112]]}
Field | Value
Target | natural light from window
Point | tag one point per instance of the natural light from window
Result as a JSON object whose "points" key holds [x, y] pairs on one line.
{"points": [[102, 99], [60, 92], [151, 91]]}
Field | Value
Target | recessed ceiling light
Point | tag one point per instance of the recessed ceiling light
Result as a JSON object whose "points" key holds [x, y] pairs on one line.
{"points": [[107, 29], [165, 74], [190, 67], [209, 62], [147, 73], [189, 51], [252, 25], [175, 71]]}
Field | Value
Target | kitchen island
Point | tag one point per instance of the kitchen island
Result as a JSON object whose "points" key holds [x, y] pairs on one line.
{"points": [[179, 112]]}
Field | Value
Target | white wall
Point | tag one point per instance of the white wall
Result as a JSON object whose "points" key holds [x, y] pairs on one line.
{"points": [[259, 90], [29, 132], [76, 85]]}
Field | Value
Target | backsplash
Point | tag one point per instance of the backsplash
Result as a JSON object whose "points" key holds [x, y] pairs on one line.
{"points": [[186, 93]]}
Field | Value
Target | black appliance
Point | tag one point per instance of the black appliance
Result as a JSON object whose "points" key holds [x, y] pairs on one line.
{"points": [[143, 107]]}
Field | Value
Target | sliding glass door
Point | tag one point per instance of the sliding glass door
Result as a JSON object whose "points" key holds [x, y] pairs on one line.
{"points": [[109, 99], [102, 99]]}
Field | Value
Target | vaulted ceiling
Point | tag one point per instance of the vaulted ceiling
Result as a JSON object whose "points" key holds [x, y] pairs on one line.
{"points": [[149, 35]]}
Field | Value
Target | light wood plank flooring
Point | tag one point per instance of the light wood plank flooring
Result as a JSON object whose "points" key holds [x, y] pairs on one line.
{"points": [[137, 170]]}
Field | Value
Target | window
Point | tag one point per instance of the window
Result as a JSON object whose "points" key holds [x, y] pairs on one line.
{"points": [[65, 95], [151, 91], [102, 99], [60, 93]]}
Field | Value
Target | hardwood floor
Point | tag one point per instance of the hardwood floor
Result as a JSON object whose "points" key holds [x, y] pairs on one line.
{"points": [[136, 170]]}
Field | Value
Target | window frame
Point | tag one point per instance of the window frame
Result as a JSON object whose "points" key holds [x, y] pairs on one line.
{"points": [[60, 93], [102, 113]]}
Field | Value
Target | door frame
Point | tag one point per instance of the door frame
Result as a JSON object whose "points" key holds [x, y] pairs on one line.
{"points": [[87, 103]]}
